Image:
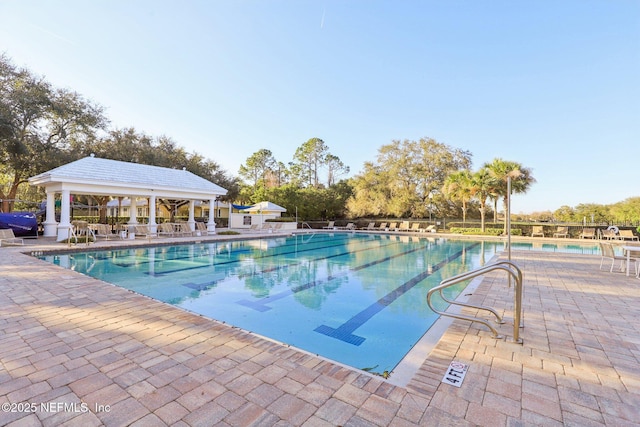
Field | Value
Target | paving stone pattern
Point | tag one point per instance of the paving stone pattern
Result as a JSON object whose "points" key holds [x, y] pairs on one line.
{"points": [[102, 355]]}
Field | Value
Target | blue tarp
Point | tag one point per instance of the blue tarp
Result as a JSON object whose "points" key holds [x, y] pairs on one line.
{"points": [[240, 207], [22, 223]]}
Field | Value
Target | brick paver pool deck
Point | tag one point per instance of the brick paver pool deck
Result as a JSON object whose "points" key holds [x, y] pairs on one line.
{"points": [[75, 351]]}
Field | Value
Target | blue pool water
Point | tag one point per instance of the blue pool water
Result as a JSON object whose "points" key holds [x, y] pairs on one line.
{"points": [[359, 299]]}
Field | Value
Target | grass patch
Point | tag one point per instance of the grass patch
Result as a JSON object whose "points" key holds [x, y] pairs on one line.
{"points": [[487, 231], [82, 239]]}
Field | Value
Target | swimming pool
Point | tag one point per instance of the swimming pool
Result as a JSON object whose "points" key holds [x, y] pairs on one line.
{"points": [[355, 298]]}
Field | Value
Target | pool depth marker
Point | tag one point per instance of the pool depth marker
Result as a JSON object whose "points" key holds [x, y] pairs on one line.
{"points": [[345, 331]]}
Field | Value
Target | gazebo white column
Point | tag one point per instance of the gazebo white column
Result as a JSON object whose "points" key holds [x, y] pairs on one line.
{"points": [[211, 224], [133, 212], [192, 221], [50, 224], [64, 228], [152, 214]]}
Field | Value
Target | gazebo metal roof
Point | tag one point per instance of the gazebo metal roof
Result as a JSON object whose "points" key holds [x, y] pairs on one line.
{"points": [[93, 175]]}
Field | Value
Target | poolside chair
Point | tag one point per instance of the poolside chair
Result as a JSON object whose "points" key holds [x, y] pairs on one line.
{"points": [[627, 235], [588, 233], [103, 230], [144, 231], [8, 238], [201, 228], [184, 229], [415, 227], [538, 230], [404, 226], [166, 229], [371, 226], [561, 232], [382, 226], [608, 252], [429, 229], [608, 234], [349, 226], [266, 226], [331, 225]]}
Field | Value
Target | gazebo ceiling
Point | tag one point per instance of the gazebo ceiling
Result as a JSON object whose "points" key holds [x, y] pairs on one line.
{"points": [[96, 176]]}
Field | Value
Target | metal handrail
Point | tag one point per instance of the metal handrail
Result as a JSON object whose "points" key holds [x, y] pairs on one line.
{"points": [[512, 270]]}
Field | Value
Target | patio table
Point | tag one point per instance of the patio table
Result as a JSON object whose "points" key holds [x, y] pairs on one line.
{"points": [[628, 249]]}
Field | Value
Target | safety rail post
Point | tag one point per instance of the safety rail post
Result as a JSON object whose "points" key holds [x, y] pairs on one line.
{"points": [[512, 270]]}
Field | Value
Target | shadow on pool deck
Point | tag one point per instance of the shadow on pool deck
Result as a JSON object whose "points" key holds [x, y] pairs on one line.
{"points": [[67, 338]]}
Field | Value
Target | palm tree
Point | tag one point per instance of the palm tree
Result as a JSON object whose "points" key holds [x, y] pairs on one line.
{"points": [[457, 186], [482, 186], [521, 179]]}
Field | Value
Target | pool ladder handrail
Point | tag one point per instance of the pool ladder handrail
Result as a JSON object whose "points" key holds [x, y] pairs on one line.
{"points": [[512, 270]]}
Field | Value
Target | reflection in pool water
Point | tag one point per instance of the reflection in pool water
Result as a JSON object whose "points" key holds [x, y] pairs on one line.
{"points": [[355, 298]]}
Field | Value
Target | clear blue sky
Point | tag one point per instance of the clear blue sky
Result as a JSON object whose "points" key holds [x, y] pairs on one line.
{"points": [[554, 85]]}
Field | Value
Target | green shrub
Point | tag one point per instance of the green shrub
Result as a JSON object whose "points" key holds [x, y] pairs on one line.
{"points": [[228, 233], [81, 239], [281, 219]]}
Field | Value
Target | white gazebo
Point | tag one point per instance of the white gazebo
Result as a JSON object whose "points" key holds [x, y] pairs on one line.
{"points": [[265, 208], [255, 215], [96, 176]]}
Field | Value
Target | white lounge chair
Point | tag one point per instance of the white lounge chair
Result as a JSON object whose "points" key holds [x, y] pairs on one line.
{"points": [[8, 238], [184, 229], [349, 226], [331, 225], [537, 230], [166, 229], [561, 232], [588, 233], [104, 231], [429, 229], [608, 234], [201, 228], [627, 235], [144, 231], [404, 226]]}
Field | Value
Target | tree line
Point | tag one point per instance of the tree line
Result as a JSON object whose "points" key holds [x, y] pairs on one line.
{"points": [[42, 127], [410, 179]]}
